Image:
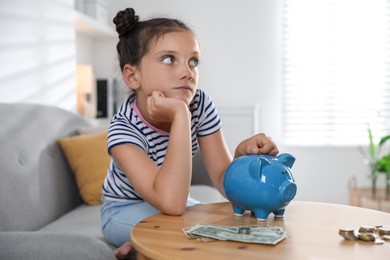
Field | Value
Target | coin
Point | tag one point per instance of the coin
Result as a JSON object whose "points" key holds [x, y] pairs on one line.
{"points": [[386, 238], [348, 234], [384, 230], [367, 229], [378, 225], [369, 237]]}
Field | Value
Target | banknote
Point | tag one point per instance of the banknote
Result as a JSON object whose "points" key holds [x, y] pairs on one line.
{"points": [[200, 238], [247, 234]]}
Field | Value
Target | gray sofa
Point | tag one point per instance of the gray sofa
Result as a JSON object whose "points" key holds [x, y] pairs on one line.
{"points": [[42, 215]]}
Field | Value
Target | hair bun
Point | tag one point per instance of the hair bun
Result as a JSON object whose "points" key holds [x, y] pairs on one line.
{"points": [[125, 20]]}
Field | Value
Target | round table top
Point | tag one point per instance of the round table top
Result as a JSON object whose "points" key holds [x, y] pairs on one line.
{"points": [[312, 233]]}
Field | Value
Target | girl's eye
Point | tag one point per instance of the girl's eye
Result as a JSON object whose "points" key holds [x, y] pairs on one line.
{"points": [[167, 60], [194, 62]]}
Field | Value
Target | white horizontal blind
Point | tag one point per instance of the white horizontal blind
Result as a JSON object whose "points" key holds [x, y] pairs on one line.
{"points": [[336, 63], [38, 52]]}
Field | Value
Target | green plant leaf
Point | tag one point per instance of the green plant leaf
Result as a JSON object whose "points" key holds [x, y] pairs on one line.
{"points": [[384, 164], [383, 140], [372, 145]]}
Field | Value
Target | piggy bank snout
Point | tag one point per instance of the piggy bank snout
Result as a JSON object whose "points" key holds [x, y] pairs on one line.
{"points": [[287, 191]]}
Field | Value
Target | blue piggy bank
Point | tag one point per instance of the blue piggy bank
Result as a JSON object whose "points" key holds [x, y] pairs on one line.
{"points": [[260, 183]]}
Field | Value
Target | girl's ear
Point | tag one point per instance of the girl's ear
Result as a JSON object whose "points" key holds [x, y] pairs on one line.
{"points": [[131, 77]]}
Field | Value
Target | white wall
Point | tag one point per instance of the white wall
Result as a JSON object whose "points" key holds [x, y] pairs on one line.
{"points": [[241, 64], [100, 52]]}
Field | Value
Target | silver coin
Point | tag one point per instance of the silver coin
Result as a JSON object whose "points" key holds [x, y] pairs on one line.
{"points": [[348, 234], [384, 230], [378, 225], [386, 238], [367, 229], [369, 237], [379, 241]]}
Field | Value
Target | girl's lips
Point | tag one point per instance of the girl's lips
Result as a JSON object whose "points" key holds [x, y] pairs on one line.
{"points": [[185, 88]]}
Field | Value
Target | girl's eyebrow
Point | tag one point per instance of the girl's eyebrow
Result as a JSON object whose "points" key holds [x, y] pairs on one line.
{"points": [[165, 52], [174, 52]]}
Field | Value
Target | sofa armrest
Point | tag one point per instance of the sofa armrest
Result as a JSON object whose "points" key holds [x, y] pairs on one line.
{"points": [[199, 171], [44, 245]]}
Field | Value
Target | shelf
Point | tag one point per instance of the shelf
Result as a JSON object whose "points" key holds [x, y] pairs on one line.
{"points": [[91, 27]]}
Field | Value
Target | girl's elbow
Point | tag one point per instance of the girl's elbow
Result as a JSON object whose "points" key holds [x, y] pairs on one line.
{"points": [[177, 212], [174, 210]]}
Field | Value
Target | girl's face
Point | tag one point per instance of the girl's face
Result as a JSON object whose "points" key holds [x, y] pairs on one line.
{"points": [[170, 66]]}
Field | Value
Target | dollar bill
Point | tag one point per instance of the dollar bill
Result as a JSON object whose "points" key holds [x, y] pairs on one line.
{"points": [[199, 238], [252, 234]]}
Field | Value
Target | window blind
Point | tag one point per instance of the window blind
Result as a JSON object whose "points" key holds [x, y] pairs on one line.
{"points": [[336, 63], [38, 52]]}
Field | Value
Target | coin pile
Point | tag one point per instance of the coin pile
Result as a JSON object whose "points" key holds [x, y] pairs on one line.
{"points": [[370, 233]]}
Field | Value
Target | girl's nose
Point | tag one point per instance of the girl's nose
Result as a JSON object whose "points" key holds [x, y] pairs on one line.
{"points": [[186, 72]]}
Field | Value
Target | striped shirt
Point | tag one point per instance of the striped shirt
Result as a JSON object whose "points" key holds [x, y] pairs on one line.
{"points": [[129, 127]]}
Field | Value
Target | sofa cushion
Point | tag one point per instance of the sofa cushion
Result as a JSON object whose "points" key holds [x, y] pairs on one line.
{"points": [[88, 158], [83, 220]]}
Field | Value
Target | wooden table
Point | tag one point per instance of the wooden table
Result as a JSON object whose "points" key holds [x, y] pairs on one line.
{"points": [[312, 230]]}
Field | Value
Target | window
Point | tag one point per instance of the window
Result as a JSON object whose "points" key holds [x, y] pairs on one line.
{"points": [[336, 71], [37, 52]]}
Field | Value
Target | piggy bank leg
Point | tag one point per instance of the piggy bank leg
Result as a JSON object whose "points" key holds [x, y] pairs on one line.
{"points": [[279, 213], [238, 211], [261, 215]]}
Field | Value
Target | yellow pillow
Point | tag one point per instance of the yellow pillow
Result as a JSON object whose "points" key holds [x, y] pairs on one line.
{"points": [[88, 158]]}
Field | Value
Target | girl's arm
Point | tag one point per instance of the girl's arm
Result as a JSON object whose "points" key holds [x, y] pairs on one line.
{"points": [[166, 187], [217, 158]]}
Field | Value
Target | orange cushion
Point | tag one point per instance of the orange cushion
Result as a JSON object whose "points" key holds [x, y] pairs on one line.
{"points": [[88, 158]]}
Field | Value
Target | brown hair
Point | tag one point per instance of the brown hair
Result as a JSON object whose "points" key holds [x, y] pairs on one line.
{"points": [[136, 37]]}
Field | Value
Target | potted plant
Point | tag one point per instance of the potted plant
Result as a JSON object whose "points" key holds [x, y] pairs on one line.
{"points": [[378, 159], [379, 163]]}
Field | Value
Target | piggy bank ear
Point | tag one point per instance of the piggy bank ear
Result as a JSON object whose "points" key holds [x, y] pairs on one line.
{"points": [[286, 159], [257, 166]]}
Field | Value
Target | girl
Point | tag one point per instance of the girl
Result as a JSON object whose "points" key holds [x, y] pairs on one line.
{"points": [[158, 129]]}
